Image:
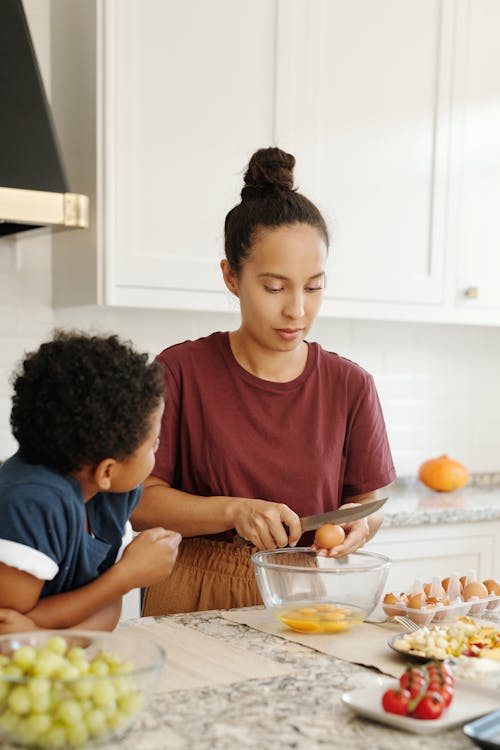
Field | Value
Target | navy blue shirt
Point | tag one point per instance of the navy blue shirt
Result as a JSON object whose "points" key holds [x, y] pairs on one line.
{"points": [[42, 526]]}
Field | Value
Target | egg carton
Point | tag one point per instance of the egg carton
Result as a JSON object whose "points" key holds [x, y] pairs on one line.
{"points": [[441, 613]]}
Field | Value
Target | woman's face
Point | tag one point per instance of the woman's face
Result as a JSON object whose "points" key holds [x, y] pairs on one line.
{"points": [[280, 286]]}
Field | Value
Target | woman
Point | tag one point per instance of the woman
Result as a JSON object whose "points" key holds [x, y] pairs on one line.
{"points": [[260, 426]]}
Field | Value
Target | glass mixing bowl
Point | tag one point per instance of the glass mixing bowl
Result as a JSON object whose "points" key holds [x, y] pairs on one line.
{"points": [[314, 594]]}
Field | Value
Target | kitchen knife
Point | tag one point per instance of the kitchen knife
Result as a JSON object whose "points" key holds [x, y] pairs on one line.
{"points": [[341, 515]]}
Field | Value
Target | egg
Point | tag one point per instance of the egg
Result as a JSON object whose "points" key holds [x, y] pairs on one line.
{"points": [[475, 589], [391, 600], [492, 586], [416, 602], [329, 535]]}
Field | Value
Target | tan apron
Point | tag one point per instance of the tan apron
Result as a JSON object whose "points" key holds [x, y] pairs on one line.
{"points": [[207, 575]]}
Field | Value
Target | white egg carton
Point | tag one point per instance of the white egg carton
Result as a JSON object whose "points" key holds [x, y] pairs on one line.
{"points": [[447, 613], [439, 612]]}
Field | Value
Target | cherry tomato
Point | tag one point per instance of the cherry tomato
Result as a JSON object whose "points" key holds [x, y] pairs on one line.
{"points": [[412, 682], [395, 701], [446, 692], [430, 707]]}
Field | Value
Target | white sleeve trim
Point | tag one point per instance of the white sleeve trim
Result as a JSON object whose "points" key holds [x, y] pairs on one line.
{"points": [[29, 560], [127, 537]]}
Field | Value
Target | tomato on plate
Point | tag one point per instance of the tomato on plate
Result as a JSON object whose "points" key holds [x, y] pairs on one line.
{"points": [[395, 701], [431, 706]]}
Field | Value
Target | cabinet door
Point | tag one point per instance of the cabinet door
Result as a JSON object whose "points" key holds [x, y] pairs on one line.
{"points": [[188, 96], [363, 101], [438, 550], [476, 156]]}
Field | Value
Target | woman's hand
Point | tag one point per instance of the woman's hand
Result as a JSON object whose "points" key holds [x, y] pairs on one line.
{"points": [[357, 533], [12, 621], [261, 523], [150, 557]]}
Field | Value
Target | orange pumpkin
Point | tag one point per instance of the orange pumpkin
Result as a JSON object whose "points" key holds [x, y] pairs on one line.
{"points": [[443, 474]]}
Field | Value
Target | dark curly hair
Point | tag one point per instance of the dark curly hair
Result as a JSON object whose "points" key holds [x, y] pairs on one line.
{"points": [[82, 398], [268, 200]]}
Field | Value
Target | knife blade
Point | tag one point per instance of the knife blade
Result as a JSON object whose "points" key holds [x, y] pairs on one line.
{"points": [[341, 515]]}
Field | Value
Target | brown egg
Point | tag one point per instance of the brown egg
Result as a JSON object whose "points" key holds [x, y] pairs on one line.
{"points": [[492, 586], [416, 601], [475, 589], [462, 580], [329, 535], [427, 588], [391, 600]]}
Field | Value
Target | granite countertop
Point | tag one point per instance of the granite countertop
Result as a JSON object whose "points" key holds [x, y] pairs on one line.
{"points": [[302, 709], [411, 503]]}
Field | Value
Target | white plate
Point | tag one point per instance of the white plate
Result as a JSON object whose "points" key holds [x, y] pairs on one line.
{"points": [[468, 702]]}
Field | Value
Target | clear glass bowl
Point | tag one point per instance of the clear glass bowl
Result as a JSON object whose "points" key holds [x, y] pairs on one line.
{"points": [[314, 594], [74, 688]]}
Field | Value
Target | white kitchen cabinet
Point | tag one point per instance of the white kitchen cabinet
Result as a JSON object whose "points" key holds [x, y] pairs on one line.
{"points": [[438, 550], [390, 106], [363, 101], [475, 218], [180, 95]]}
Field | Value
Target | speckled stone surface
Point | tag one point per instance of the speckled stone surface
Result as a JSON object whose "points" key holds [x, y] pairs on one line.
{"points": [[412, 504], [300, 710]]}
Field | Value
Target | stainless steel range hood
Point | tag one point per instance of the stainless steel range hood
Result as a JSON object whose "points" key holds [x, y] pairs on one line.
{"points": [[33, 186]]}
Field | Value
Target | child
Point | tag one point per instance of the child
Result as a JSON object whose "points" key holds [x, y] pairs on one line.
{"points": [[86, 413]]}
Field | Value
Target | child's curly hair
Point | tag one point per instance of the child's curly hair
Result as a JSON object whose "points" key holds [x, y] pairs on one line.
{"points": [[82, 398]]}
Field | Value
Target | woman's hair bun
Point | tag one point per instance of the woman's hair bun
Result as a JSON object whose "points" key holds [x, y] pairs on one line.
{"points": [[268, 168]]}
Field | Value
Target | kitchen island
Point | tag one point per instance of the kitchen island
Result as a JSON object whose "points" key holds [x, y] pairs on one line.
{"points": [[301, 708]]}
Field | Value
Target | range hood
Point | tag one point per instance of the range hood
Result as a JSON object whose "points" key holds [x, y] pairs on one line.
{"points": [[33, 187]]}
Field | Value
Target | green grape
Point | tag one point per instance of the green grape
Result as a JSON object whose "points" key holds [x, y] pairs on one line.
{"points": [[99, 667], [76, 653], [68, 712], [19, 700], [123, 685], [55, 737], [68, 672], [130, 703], [77, 734], [39, 723], [38, 687], [24, 657], [82, 688], [103, 693], [57, 644], [47, 664], [42, 703], [95, 722]]}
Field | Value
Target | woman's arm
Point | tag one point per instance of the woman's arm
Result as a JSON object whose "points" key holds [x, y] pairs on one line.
{"points": [[258, 521]]}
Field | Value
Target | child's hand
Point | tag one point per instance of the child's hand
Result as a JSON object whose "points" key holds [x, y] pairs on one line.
{"points": [[150, 557], [12, 621]]}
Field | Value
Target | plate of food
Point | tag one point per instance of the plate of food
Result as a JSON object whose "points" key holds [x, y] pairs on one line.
{"points": [[464, 637], [469, 702]]}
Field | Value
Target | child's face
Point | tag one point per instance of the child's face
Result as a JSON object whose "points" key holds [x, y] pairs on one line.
{"points": [[130, 472]]}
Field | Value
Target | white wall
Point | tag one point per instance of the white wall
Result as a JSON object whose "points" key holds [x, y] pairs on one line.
{"points": [[439, 385]]}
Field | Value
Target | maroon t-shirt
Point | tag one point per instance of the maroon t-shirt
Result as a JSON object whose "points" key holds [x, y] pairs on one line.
{"points": [[308, 443]]}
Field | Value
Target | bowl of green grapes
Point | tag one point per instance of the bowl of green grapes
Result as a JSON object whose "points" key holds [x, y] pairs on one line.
{"points": [[74, 688]]}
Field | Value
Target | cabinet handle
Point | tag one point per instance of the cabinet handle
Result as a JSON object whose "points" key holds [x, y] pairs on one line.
{"points": [[472, 292]]}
